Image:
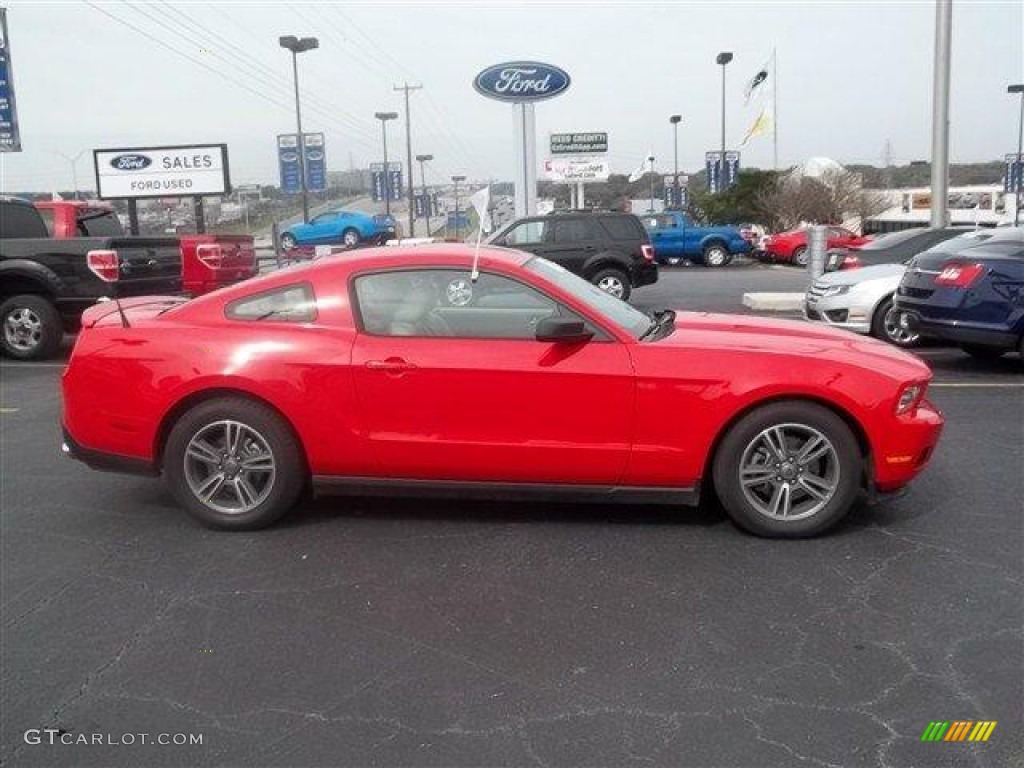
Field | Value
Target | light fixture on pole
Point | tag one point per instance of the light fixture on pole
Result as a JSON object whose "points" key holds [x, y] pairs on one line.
{"points": [[455, 181], [299, 45], [674, 120], [384, 117], [722, 59], [423, 160], [1018, 88], [73, 161]]}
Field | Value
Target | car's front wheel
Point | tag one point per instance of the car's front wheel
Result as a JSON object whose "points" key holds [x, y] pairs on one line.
{"points": [[886, 325], [788, 470], [234, 464], [716, 255], [614, 282]]}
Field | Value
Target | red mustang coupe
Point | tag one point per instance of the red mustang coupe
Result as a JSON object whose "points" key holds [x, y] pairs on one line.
{"points": [[791, 246], [391, 370]]}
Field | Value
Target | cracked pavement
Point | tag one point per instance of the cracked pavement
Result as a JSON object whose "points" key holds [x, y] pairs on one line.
{"points": [[365, 632]]}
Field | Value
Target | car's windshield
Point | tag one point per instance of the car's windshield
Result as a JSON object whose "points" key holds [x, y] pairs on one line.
{"points": [[893, 238], [616, 310]]}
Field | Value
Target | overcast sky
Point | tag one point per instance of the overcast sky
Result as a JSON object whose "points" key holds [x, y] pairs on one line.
{"points": [[851, 75]]}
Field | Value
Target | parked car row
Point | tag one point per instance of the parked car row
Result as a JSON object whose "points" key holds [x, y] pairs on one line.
{"points": [[967, 289], [59, 257]]}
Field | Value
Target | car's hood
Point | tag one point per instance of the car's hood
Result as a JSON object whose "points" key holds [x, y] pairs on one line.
{"points": [[751, 333], [854, 276]]}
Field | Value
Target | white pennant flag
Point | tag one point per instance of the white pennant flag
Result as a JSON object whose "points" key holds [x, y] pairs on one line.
{"points": [[641, 171], [481, 202]]}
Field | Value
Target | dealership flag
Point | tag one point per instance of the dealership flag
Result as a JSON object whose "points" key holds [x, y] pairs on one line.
{"points": [[762, 124], [756, 81], [642, 169], [480, 200]]}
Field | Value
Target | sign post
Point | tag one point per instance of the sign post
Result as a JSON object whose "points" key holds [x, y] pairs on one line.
{"points": [[522, 83]]}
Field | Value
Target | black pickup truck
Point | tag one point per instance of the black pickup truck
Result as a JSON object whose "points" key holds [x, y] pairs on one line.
{"points": [[45, 283]]}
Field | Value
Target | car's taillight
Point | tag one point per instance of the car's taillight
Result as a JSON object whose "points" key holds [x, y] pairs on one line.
{"points": [[211, 254], [959, 275], [648, 251], [104, 264], [849, 262]]}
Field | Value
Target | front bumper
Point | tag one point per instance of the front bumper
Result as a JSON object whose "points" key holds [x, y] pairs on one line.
{"points": [[906, 447], [839, 312]]}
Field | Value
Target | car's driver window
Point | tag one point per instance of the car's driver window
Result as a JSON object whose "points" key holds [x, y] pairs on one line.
{"points": [[447, 303]]}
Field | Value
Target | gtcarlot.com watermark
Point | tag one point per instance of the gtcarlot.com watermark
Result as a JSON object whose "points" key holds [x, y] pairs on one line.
{"points": [[55, 736]]}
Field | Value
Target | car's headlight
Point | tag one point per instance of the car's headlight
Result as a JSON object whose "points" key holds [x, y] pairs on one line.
{"points": [[909, 397], [836, 290]]}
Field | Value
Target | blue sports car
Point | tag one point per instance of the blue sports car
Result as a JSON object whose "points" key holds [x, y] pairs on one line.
{"points": [[349, 228]]}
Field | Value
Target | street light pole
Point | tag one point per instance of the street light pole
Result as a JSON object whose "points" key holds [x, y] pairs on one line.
{"points": [[299, 45], [675, 120], [722, 59], [1018, 88], [423, 160], [456, 180], [650, 159], [384, 117], [940, 114]]}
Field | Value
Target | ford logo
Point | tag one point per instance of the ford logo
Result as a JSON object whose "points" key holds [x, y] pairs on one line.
{"points": [[315, 155], [518, 81], [290, 157], [131, 162]]}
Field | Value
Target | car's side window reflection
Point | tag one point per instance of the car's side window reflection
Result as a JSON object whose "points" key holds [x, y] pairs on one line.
{"points": [[446, 303]]}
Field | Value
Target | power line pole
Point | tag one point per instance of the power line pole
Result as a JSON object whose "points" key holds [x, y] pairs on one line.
{"points": [[887, 161], [408, 151]]}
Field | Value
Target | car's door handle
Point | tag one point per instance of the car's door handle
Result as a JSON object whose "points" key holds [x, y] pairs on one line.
{"points": [[391, 365], [589, 248]]}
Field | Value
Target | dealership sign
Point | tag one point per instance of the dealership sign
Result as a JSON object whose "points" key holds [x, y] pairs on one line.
{"points": [[180, 171], [521, 81], [579, 143], [576, 170]]}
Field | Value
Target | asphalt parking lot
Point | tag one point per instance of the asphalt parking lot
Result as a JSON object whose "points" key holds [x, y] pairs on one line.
{"points": [[397, 632]]}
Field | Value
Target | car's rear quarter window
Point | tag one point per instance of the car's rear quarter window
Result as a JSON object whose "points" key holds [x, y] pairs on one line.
{"points": [[623, 227]]}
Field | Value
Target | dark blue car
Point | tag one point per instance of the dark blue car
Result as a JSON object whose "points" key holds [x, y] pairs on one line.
{"points": [[972, 297]]}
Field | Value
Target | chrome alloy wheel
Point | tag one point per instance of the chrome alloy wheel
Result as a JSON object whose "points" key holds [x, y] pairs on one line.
{"points": [[789, 472], [612, 285], [896, 331], [23, 329], [229, 467]]}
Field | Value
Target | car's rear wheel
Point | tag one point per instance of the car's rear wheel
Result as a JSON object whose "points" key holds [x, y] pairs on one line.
{"points": [[800, 256], [885, 325], [234, 464], [716, 255], [983, 352], [32, 328], [350, 237], [613, 281], [288, 241], [788, 470]]}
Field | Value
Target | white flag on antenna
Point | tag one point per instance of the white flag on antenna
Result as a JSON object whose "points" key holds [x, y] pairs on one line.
{"points": [[481, 202]]}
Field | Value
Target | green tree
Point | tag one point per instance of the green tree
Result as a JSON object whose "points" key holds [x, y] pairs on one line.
{"points": [[742, 202]]}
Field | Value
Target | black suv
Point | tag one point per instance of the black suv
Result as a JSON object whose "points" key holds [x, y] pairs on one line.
{"points": [[612, 250]]}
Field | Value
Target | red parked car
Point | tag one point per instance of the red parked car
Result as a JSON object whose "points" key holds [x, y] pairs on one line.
{"points": [[791, 246], [392, 370]]}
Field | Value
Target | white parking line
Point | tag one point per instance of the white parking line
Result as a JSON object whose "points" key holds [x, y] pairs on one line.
{"points": [[977, 384]]}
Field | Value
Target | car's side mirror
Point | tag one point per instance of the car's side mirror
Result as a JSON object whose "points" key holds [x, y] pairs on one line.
{"points": [[563, 330]]}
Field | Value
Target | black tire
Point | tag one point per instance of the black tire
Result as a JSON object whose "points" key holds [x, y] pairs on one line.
{"points": [[282, 489], [715, 255], [886, 328], [983, 352], [605, 278], [845, 458], [350, 237], [30, 327], [288, 241], [800, 256]]}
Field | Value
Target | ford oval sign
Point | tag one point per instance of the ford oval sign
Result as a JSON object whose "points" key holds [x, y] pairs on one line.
{"points": [[130, 162], [519, 81]]}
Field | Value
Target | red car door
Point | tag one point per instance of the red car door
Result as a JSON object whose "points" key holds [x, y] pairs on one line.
{"points": [[452, 384]]}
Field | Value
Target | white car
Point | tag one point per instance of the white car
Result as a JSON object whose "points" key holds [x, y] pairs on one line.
{"points": [[860, 300]]}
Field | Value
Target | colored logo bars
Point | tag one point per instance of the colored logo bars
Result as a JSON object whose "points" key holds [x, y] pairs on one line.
{"points": [[959, 730]]}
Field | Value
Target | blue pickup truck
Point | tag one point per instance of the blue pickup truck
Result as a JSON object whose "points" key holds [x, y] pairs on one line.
{"points": [[676, 238]]}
